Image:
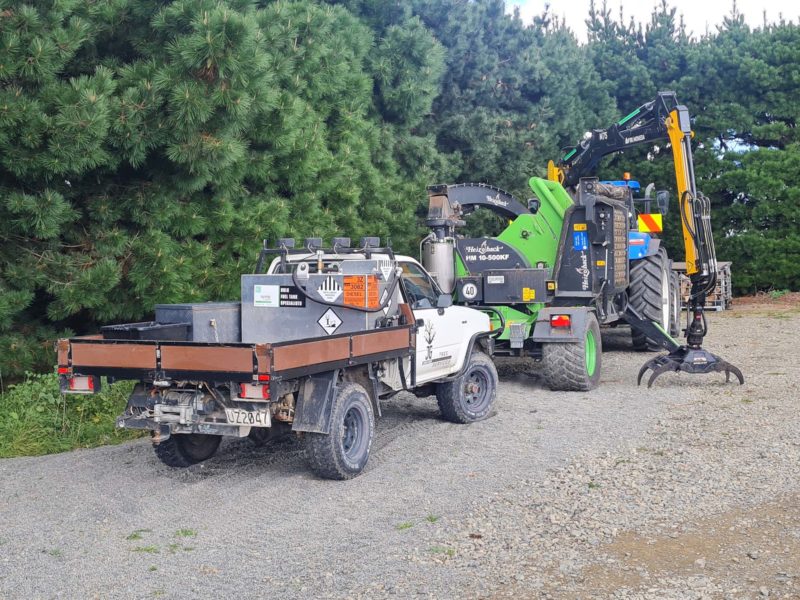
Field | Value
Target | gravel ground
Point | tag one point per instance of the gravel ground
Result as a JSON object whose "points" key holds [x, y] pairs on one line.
{"points": [[687, 490]]}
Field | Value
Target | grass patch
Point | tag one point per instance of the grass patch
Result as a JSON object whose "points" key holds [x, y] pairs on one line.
{"points": [[147, 549], [185, 533], [137, 535], [593, 485], [403, 526], [36, 419], [431, 518], [443, 550], [775, 294]]}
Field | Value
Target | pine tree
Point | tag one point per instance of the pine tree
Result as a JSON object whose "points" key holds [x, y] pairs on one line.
{"points": [[147, 150]]}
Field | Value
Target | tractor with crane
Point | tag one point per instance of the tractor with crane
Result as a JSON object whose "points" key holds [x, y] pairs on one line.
{"points": [[578, 255]]}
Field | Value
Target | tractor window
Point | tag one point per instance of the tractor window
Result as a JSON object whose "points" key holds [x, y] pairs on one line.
{"points": [[420, 289]]}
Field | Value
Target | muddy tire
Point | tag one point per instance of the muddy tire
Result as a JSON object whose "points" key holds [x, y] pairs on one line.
{"points": [[183, 450], [343, 453], [649, 294], [470, 397], [574, 366]]}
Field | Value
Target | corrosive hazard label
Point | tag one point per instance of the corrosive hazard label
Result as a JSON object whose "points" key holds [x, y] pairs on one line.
{"points": [[361, 290]]}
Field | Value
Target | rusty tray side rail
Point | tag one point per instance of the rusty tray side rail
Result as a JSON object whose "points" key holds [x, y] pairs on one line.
{"points": [[171, 360]]}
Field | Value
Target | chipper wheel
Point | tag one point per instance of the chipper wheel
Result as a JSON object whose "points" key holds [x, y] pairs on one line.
{"points": [[650, 295], [470, 396], [343, 453], [187, 449], [574, 366]]}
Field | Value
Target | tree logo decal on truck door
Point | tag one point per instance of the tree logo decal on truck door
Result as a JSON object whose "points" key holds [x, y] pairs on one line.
{"points": [[430, 335]]}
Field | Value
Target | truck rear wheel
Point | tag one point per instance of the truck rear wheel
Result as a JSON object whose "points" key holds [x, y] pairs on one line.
{"points": [[343, 453], [574, 366], [470, 396], [186, 449], [650, 295]]}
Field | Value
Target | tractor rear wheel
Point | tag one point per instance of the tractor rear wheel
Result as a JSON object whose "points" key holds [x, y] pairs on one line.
{"points": [[675, 304], [574, 366], [650, 295]]}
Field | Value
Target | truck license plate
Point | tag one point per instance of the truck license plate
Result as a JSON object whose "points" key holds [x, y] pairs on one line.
{"points": [[253, 418]]}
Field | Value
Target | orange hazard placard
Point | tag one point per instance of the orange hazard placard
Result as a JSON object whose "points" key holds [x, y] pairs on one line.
{"points": [[361, 290]]}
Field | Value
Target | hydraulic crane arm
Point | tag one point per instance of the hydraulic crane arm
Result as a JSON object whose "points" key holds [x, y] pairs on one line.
{"points": [[661, 119], [658, 120], [646, 124]]}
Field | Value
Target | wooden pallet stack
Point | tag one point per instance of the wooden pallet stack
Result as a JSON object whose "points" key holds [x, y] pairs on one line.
{"points": [[720, 298]]}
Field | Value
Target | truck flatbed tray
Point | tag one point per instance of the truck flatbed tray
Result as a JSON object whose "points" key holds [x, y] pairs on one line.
{"points": [[172, 360]]}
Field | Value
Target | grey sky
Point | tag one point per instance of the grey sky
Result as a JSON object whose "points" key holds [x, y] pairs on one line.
{"points": [[698, 15]]}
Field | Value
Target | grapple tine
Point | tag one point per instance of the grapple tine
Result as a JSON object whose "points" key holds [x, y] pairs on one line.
{"points": [[729, 368], [642, 371], [668, 365]]}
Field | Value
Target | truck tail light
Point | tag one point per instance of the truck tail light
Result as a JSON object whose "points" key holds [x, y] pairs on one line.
{"points": [[63, 370], [80, 384], [250, 391], [560, 321]]}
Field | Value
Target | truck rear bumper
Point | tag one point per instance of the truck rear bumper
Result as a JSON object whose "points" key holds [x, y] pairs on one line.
{"points": [[164, 430]]}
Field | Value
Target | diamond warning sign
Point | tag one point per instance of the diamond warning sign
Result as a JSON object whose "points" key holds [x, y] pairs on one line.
{"points": [[330, 321], [330, 289]]}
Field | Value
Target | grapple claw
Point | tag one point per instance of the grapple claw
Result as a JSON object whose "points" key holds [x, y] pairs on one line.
{"points": [[729, 368], [667, 366], [689, 360]]}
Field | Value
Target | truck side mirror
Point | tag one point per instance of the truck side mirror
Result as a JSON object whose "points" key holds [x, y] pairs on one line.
{"points": [[444, 301], [662, 200]]}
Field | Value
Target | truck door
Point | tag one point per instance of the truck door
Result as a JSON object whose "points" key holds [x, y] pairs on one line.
{"points": [[441, 332]]}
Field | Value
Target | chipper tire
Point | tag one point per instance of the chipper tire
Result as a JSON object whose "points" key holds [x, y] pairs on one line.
{"points": [[470, 397], [650, 295], [343, 453], [183, 450], [574, 366]]}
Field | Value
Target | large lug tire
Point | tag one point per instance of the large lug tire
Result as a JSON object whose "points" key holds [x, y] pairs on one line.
{"points": [[183, 450], [650, 295], [344, 452], [469, 397], [574, 366], [675, 304]]}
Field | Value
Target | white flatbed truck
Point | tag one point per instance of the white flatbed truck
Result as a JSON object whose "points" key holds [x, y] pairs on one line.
{"points": [[315, 345]]}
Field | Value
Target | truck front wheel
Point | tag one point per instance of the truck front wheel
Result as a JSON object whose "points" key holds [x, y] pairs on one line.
{"points": [[343, 453], [186, 449], [574, 366], [470, 396]]}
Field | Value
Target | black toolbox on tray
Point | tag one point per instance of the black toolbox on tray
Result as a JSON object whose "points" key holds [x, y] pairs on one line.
{"points": [[148, 330]]}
